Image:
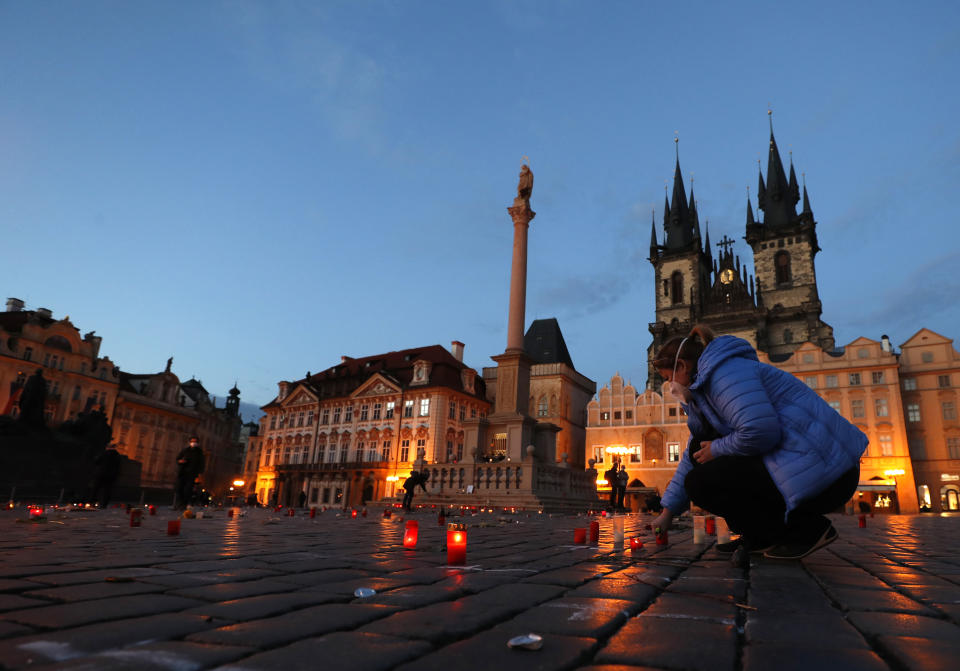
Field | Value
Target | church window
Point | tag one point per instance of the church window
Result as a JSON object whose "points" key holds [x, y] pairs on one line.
{"points": [[787, 336], [542, 407], [676, 287], [666, 287], [604, 416], [782, 267]]}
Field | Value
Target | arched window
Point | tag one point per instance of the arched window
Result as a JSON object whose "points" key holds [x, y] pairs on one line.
{"points": [[542, 407], [676, 287], [787, 336], [781, 264], [950, 498]]}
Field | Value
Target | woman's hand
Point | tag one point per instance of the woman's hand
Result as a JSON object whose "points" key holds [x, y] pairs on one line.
{"points": [[663, 520], [703, 455]]}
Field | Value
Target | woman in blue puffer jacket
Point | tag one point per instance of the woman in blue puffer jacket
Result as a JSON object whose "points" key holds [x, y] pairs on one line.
{"points": [[765, 451]]}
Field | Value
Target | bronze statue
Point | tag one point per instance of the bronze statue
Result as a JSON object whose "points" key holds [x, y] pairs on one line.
{"points": [[169, 363], [525, 187]]}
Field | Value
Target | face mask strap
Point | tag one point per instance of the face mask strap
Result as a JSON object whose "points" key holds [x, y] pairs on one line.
{"points": [[676, 360]]}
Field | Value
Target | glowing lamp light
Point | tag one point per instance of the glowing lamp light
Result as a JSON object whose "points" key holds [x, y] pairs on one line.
{"points": [[410, 534], [239, 483], [894, 472], [617, 449], [602, 482], [393, 478], [353, 513], [456, 545]]}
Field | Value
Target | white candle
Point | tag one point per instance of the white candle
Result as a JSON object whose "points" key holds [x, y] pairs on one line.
{"points": [[723, 531], [699, 529], [618, 531]]}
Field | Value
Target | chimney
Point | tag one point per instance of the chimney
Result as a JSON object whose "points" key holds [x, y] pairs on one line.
{"points": [[14, 305], [44, 312], [456, 348], [282, 389], [885, 343]]}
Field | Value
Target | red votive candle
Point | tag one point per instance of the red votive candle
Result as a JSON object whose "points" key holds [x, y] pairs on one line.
{"points": [[410, 533], [153, 510], [136, 517], [594, 532], [661, 534], [456, 545], [313, 513], [353, 513], [862, 522], [711, 525], [387, 513], [291, 512], [36, 512], [579, 536], [173, 528], [636, 544]]}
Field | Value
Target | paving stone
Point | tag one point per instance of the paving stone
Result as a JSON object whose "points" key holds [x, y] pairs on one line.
{"points": [[10, 602], [265, 605], [872, 599], [275, 631], [444, 621], [567, 577], [415, 597], [324, 576], [787, 657], [356, 651], [903, 624], [852, 577], [933, 594], [922, 654], [86, 612], [175, 580], [167, 656], [692, 606], [799, 629], [672, 643], [16, 585], [79, 577], [489, 651], [616, 588], [572, 616], [95, 590], [735, 588], [520, 595], [789, 595], [82, 641], [10, 629], [234, 590]]}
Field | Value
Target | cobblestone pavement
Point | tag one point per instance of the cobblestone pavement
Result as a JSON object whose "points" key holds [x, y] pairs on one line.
{"points": [[84, 590]]}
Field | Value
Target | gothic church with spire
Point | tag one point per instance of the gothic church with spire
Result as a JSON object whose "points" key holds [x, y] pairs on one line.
{"points": [[777, 308]]}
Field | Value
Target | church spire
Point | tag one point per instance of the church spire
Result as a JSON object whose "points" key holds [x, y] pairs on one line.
{"points": [[776, 200], [706, 246], [653, 234], [806, 198], [792, 187], [761, 189], [750, 219]]}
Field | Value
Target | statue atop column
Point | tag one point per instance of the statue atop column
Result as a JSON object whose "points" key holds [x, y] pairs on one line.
{"points": [[525, 187], [521, 212]]}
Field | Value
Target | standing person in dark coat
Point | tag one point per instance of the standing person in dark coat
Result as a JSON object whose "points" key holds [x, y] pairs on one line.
{"points": [[622, 479], [108, 468], [410, 484], [611, 477], [190, 464]]}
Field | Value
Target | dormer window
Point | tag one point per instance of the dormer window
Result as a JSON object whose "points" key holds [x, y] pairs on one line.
{"points": [[421, 372]]}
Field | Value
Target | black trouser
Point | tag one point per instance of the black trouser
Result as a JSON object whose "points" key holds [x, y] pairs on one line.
{"points": [[408, 498], [184, 491], [741, 490]]}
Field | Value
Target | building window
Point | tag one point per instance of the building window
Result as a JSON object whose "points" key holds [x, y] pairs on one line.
{"points": [[927, 357], [635, 456], [310, 416], [473, 412], [459, 451], [321, 449], [807, 358], [943, 381], [424, 407], [835, 405], [421, 447], [918, 449], [300, 419], [854, 379], [404, 451], [377, 407], [856, 407], [453, 410], [676, 287], [913, 412], [273, 422], [372, 450], [364, 412], [449, 450], [390, 406], [781, 263], [336, 415], [673, 452], [672, 412], [542, 407], [953, 447], [886, 445], [629, 414], [344, 449], [881, 407], [949, 410], [325, 417], [616, 414], [877, 377], [408, 409], [28, 355], [604, 416], [46, 359], [832, 382], [909, 384], [463, 412], [348, 414], [360, 446], [76, 393], [787, 336], [863, 353], [811, 381], [385, 450], [598, 454]]}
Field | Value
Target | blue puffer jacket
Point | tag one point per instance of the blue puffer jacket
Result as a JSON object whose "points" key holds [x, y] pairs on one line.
{"points": [[761, 410]]}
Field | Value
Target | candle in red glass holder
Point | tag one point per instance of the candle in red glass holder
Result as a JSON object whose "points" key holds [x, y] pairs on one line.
{"points": [[661, 534], [313, 513], [410, 533], [153, 510], [711, 525], [456, 545], [594, 532], [387, 513], [364, 512], [353, 513], [291, 512], [636, 544], [441, 518], [863, 522], [36, 512], [173, 528], [136, 517], [579, 536]]}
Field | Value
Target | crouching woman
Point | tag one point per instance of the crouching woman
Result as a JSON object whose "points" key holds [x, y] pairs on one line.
{"points": [[765, 451]]}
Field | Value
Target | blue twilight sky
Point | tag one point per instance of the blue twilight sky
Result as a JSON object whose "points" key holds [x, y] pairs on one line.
{"points": [[256, 188]]}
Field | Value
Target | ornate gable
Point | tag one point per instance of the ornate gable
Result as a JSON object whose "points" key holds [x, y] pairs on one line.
{"points": [[377, 385], [299, 396]]}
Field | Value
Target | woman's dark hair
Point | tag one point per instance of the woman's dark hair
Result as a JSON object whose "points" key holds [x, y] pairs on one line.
{"points": [[693, 346]]}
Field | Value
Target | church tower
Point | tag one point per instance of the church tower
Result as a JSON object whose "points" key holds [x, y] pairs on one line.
{"points": [[681, 267], [784, 246]]}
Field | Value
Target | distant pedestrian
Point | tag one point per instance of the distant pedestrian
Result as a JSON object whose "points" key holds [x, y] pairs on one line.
{"points": [[610, 475], [107, 469], [622, 479], [190, 464], [302, 499], [410, 484]]}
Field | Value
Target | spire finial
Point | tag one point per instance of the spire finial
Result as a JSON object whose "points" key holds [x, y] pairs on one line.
{"points": [[676, 143], [770, 117], [803, 176]]}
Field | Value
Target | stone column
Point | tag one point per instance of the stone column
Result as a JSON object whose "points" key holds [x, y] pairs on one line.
{"points": [[522, 215]]}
